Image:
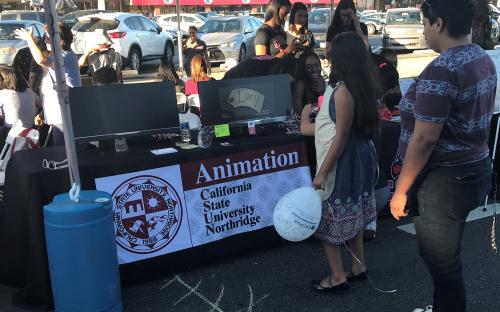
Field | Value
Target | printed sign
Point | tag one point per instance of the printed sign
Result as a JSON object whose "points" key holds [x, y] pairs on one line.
{"points": [[163, 210], [236, 194], [244, 97], [222, 130], [149, 213]]}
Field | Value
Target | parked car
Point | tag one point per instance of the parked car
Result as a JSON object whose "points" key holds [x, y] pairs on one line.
{"points": [[259, 15], [495, 31], [25, 15], [71, 18], [378, 15], [403, 30], [169, 21], [319, 20], [494, 14], [13, 51], [135, 37], [230, 37], [374, 25], [207, 14]]}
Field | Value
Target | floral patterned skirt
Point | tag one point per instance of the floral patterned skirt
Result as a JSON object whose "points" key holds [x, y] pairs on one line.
{"points": [[352, 203]]}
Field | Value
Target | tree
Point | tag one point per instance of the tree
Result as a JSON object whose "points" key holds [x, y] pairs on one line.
{"points": [[481, 25]]}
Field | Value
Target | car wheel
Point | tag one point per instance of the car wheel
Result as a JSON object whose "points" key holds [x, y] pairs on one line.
{"points": [[169, 51], [371, 29], [243, 53], [134, 59]]}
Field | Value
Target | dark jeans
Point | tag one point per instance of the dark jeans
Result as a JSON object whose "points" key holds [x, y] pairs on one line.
{"points": [[445, 198]]}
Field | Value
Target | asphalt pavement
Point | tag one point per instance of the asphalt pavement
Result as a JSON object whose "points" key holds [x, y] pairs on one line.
{"points": [[277, 278]]}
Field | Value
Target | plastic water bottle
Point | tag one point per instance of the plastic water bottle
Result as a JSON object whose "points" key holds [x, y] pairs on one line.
{"points": [[184, 125]]}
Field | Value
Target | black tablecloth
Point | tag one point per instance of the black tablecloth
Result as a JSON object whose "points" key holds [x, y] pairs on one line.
{"points": [[29, 187], [387, 150]]}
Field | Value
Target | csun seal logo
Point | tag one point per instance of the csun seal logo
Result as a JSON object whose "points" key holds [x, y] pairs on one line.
{"points": [[147, 214]]}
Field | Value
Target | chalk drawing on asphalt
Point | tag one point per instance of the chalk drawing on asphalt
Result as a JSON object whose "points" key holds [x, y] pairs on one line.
{"points": [[213, 306]]}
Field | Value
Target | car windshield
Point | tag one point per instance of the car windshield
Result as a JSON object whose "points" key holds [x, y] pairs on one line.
{"points": [[402, 18], [7, 31], [89, 25], [68, 17], [227, 26], [319, 17]]}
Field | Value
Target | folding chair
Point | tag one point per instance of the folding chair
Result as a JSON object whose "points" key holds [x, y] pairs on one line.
{"points": [[181, 102], [194, 103]]}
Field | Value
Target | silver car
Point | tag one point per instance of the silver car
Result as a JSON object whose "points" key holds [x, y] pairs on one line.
{"points": [[403, 30], [230, 37], [15, 52]]}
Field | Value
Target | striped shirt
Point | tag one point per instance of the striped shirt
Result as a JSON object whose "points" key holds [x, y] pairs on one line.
{"points": [[457, 90]]}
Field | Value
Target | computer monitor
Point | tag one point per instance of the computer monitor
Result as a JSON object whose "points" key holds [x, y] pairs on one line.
{"points": [[117, 111], [263, 99]]}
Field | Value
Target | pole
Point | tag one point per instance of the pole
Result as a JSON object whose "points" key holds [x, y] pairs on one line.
{"points": [[179, 34], [62, 94], [331, 13]]}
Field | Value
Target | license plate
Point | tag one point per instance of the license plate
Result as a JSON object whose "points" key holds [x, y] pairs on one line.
{"points": [[322, 45]]}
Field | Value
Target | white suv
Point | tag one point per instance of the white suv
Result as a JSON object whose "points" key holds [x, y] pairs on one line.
{"points": [[135, 37], [169, 21]]}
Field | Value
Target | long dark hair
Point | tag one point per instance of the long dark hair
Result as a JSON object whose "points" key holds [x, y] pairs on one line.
{"points": [[166, 71], [12, 79], [297, 6], [65, 34], [352, 64], [336, 23], [273, 8]]}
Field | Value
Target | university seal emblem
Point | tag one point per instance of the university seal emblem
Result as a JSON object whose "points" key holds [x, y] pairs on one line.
{"points": [[147, 214]]}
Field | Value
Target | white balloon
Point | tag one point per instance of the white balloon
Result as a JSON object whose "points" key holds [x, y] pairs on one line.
{"points": [[297, 214]]}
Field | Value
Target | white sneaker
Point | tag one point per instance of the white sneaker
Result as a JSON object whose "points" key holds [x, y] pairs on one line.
{"points": [[426, 309]]}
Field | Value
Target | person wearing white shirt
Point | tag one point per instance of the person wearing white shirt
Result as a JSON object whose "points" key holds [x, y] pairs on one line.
{"points": [[17, 101], [51, 106]]}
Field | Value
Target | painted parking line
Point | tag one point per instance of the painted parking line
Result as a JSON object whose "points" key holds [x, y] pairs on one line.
{"points": [[476, 214]]}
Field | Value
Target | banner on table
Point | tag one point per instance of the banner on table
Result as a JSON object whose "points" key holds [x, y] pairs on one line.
{"points": [[149, 213], [167, 209], [236, 194]]}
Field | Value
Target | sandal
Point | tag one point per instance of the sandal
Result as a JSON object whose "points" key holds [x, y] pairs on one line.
{"points": [[351, 277], [340, 288]]}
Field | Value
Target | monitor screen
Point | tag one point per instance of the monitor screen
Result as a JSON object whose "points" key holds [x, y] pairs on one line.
{"points": [[111, 111], [236, 101]]}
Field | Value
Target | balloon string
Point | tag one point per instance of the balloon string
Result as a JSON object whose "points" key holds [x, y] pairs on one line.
{"points": [[330, 209]]}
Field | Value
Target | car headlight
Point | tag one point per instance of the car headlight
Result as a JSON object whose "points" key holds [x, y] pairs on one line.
{"points": [[228, 44], [8, 50]]}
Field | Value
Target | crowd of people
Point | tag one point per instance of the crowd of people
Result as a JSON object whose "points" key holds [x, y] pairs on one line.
{"points": [[444, 137], [445, 117]]}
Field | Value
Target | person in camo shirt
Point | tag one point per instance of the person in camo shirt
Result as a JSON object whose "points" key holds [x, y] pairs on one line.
{"points": [[445, 120]]}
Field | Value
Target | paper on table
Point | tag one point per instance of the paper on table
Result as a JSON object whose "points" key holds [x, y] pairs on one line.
{"points": [[161, 151], [186, 145]]}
